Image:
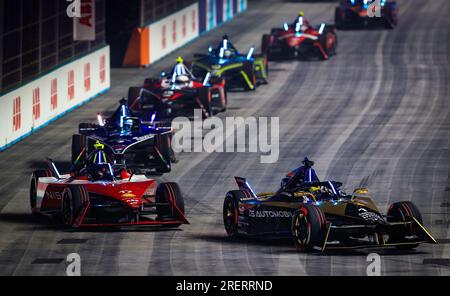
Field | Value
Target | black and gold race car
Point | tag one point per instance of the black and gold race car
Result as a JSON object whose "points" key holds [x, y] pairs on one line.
{"points": [[319, 216]]}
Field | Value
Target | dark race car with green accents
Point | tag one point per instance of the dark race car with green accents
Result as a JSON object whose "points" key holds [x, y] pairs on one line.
{"points": [[245, 71]]}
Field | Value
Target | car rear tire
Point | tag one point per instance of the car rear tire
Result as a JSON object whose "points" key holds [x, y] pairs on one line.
{"points": [[332, 51], [390, 20], [265, 44], [204, 94], [133, 94], [309, 228], [404, 211], [339, 21], [219, 104], [165, 193], [78, 143], [249, 69], [323, 42], [231, 212], [33, 187], [162, 143], [73, 203]]}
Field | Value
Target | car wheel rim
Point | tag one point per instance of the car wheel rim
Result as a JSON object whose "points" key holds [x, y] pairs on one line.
{"points": [[67, 212], [230, 217], [301, 230]]}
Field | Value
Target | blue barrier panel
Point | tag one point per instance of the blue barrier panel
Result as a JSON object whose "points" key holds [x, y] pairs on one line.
{"points": [[219, 12], [202, 15]]}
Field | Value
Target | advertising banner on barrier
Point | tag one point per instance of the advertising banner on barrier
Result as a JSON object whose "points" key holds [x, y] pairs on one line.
{"points": [[150, 43], [41, 101], [173, 31], [84, 26]]}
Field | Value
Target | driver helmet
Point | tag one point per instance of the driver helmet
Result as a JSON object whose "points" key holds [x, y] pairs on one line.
{"points": [[127, 125], [227, 53], [182, 79], [301, 13], [98, 164]]}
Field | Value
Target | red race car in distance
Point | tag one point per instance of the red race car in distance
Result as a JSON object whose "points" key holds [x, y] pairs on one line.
{"points": [[99, 194], [366, 13], [300, 40], [178, 94]]}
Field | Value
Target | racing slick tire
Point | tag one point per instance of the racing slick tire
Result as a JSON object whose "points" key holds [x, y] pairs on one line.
{"points": [[332, 50], [231, 212], [204, 95], [249, 82], [339, 18], [335, 44], [309, 228], [33, 187], [165, 194], [133, 94], [404, 211], [390, 19], [219, 102], [323, 43], [162, 143], [265, 44], [73, 204], [78, 143]]}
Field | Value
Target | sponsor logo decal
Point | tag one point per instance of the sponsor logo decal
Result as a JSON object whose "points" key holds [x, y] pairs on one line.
{"points": [[127, 194], [370, 216], [269, 214], [143, 138], [53, 195]]}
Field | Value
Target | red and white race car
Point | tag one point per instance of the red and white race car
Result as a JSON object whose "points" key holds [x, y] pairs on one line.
{"points": [[178, 93], [300, 40], [100, 195]]}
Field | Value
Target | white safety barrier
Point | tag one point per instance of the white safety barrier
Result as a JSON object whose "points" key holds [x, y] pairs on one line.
{"points": [[173, 31], [41, 101], [150, 43]]}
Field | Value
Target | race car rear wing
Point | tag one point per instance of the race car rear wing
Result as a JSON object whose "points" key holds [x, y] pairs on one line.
{"points": [[244, 186]]}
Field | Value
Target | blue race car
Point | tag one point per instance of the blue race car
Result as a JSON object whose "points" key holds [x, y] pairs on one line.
{"points": [[138, 145], [239, 70]]}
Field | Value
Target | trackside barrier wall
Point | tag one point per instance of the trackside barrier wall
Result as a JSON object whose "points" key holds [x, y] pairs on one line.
{"points": [[216, 12], [151, 43], [39, 102]]}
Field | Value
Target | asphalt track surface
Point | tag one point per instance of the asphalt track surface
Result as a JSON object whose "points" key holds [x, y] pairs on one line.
{"points": [[378, 111]]}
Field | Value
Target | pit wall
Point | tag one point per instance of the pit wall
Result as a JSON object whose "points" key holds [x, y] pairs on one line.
{"points": [[151, 43], [43, 100]]}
